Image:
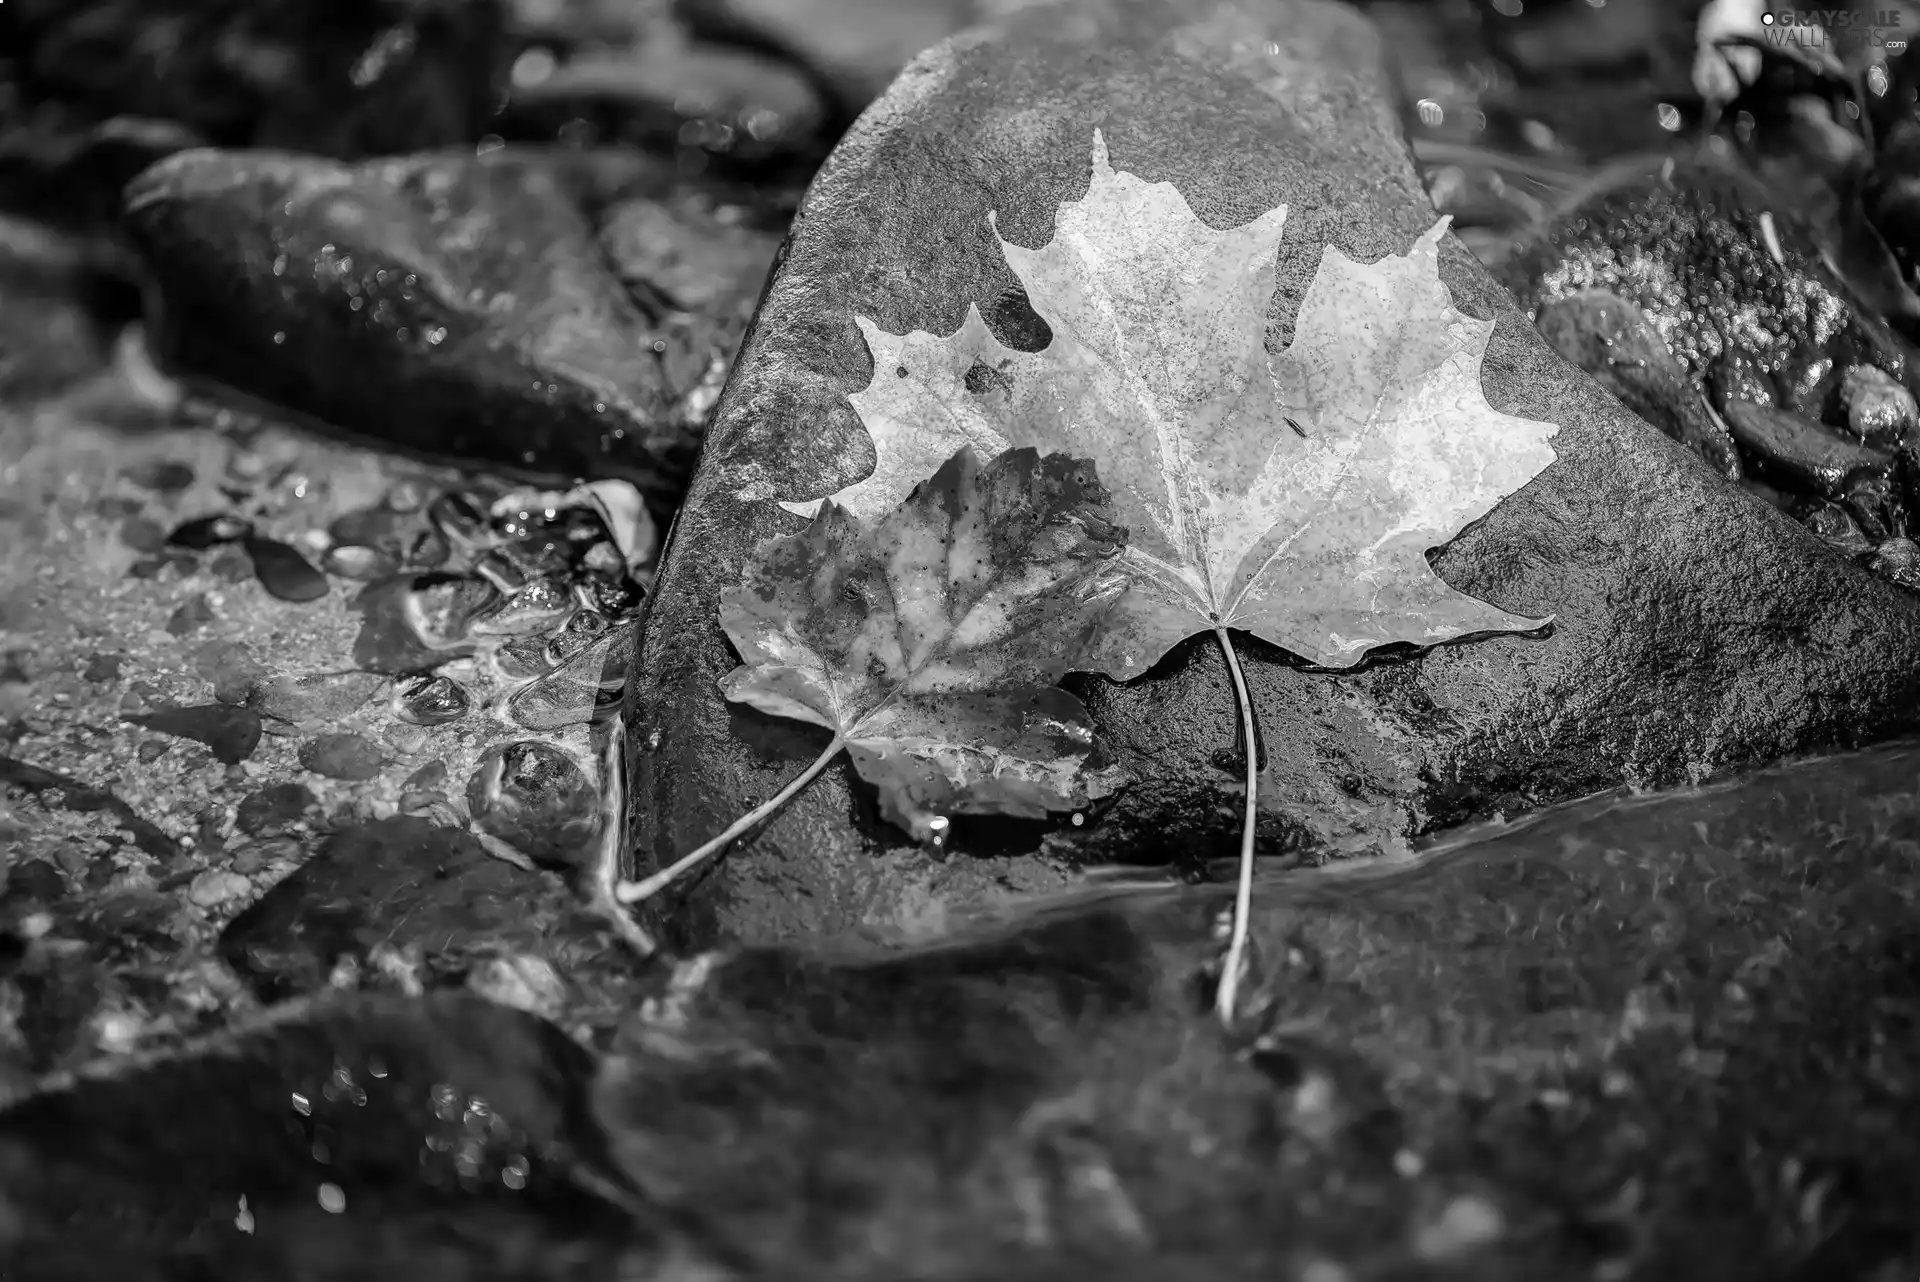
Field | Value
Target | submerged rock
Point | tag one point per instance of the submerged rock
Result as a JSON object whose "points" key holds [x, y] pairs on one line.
{"points": [[372, 1137], [314, 699], [402, 883], [231, 733], [351, 757], [431, 701], [452, 305], [538, 800], [1695, 627]]}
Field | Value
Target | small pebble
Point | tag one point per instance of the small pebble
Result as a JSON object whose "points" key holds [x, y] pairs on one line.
{"points": [[535, 608], [314, 698], [143, 534], [443, 605], [431, 777], [152, 750], [283, 572], [168, 476], [358, 562], [211, 889], [1467, 1223], [522, 658], [431, 700], [230, 565], [256, 856], [231, 667], [1879, 410], [425, 550], [104, 667], [270, 809], [374, 527], [537, 799], [191, 616], [406, 740], [231, 733], [206, 532], [349, 757], [1898, 560]]}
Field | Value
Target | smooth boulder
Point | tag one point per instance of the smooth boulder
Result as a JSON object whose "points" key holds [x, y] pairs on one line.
{"points": [[1695, 629], [453, 305]]}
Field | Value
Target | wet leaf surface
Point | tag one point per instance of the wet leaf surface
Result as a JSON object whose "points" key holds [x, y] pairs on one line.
{"points": [[928, 640], [1294, 496]]}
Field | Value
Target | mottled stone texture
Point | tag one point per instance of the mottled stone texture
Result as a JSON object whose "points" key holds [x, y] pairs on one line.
{"points": [[1695, 627]]}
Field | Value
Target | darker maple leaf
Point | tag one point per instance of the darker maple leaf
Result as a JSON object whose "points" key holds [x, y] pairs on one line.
{"points": [[928, 641]]}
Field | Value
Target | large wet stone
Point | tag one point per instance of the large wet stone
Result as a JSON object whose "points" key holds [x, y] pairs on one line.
{"points": [[365, 1138], [451, 305], [1640, 1038], [1696, 627], [1647, 1038]]}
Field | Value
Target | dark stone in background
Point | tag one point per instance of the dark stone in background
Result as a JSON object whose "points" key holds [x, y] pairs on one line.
{"points": [[360, 77], [450, 305], [1696, 628]]}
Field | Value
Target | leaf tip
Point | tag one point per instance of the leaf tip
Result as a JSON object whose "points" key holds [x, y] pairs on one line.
{"points": [[1102, 168]]}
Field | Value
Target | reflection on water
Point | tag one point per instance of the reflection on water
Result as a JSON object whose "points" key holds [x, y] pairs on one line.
{"points": [[1863, 789]]}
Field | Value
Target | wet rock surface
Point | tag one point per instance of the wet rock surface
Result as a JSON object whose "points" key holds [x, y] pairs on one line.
{"points": [[1684, 608], [1692, 265], [454, 305], [310, 781], [1536, 1054]]}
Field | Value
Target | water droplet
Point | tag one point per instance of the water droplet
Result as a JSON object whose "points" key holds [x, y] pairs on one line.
{"points": [[442, 606], [280, 265], [537, 799], [436, 336], [279, 337], [333, 1199], [431, 701]]}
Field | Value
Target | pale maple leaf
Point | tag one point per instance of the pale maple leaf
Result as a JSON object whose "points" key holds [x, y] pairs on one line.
{"points": [[1294, 495]]}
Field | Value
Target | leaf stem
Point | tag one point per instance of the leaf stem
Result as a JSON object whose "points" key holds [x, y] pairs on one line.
{"points": [[604, 881], [632, 892], [1243, 898]]}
